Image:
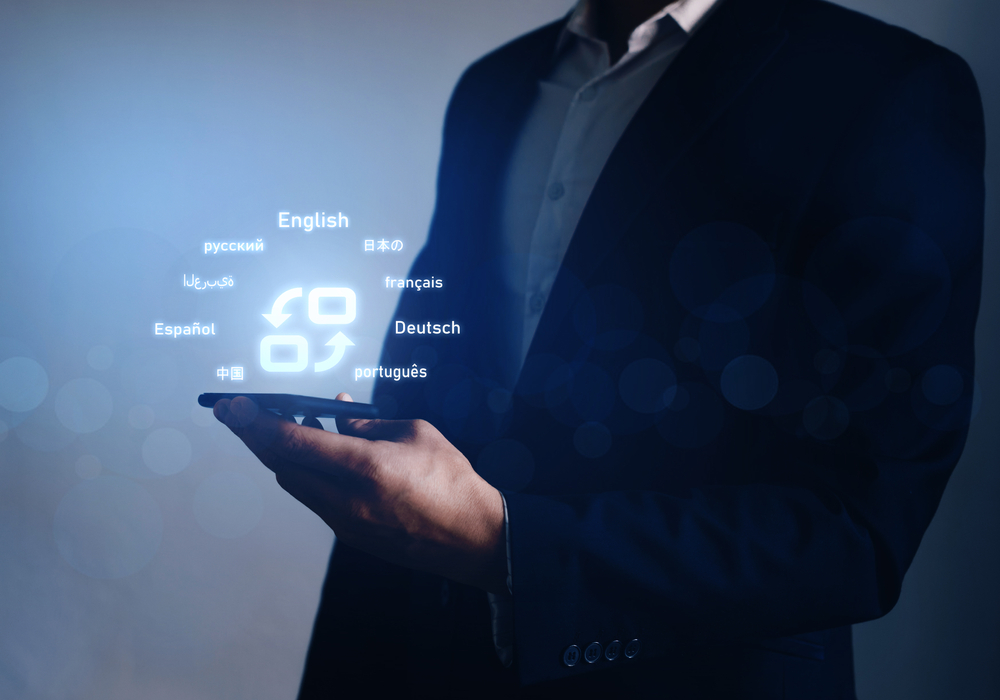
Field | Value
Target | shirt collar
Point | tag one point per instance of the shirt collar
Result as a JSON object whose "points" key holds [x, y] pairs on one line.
{"points": [[687, 14]]}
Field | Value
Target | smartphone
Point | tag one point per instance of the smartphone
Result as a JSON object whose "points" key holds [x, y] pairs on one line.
{"points": [[292, 405]]}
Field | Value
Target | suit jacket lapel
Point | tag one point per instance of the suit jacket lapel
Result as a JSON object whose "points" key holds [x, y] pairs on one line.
{"points": [[716, 65], [487, 311]]}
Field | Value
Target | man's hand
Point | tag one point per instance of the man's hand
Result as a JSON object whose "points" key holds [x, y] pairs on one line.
{"points": [[395, 489]]}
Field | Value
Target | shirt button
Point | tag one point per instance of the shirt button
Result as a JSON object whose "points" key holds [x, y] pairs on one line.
{"points": [[571, 655], [537, 301], [556, 190], [588, 93], [612, 651], [632, 648], [592, 653]]}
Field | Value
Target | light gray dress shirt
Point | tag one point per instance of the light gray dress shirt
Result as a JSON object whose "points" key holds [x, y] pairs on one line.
{"points": [[582, 108]]}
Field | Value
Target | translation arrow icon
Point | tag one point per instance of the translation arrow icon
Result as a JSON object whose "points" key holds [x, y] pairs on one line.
{"points": [[339, 343], [276, 317]]}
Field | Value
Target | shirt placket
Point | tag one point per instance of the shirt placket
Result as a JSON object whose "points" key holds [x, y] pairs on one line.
{"points": [[552, 234]]}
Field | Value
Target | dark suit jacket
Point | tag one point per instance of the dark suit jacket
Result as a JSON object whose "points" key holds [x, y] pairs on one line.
{"points": [[749, 386]]}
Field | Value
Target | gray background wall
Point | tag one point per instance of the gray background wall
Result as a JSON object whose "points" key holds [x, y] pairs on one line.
{"points": [[132, 133]]}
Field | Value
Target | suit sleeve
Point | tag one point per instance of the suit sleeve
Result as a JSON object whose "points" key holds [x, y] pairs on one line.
{"points": [[824, 541]]}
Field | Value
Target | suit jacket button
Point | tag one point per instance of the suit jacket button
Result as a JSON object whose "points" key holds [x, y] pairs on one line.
{"points": [[632, 648], [612, 651], [572, 655], [593, 652]]}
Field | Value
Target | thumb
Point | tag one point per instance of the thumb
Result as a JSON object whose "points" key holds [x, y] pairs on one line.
{"points": [[347, 426], [370, 428]]}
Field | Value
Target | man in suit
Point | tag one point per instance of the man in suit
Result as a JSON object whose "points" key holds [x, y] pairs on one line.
{"points": [[717, 269]]}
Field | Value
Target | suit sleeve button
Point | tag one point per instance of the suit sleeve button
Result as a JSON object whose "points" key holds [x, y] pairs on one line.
{"points": [[593, 652], [612, 651], [572, 655], [632, 648]]}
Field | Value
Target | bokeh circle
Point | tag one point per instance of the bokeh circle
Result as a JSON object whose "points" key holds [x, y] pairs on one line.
{"points": [[83, 405], [942, 385], [166, 451], [749, 382]]}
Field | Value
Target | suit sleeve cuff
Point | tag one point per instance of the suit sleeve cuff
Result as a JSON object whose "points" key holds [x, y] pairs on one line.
{"points": [[501, 608]]}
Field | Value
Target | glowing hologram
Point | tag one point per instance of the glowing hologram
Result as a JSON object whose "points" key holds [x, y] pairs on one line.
{"points": [[301, 353], [301, 361], [339, 343], [277, 317], [350, 310]]}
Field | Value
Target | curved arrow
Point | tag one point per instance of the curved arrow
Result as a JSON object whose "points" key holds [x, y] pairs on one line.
{"points": [[339, 343], [276, 317]]}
